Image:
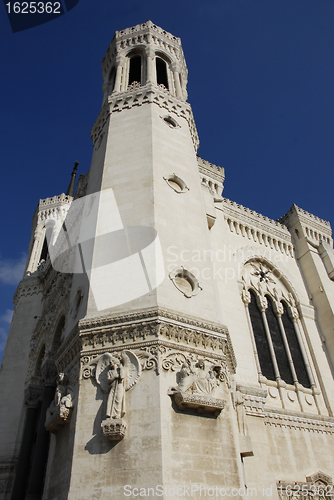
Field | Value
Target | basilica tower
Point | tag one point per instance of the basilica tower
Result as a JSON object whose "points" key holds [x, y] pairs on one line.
{"points": [[116, 313], [165, 341]]}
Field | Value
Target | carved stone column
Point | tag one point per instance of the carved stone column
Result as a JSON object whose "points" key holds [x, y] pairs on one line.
{"points": [[32, 399], [119, 69], [176, 73], [36, 480], [151, 73]]}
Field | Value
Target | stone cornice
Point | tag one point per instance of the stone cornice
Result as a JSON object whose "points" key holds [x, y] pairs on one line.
{"points": [[55, 201], [246, 214], [310, 423], [153, 324], [147, 94], [306, 217], [93, 323], [256, 227], [210, 170]]}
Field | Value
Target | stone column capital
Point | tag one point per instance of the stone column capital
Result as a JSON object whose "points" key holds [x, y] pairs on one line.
{"points": [[175, 67]]}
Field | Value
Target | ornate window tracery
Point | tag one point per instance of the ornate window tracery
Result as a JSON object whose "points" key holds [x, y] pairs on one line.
{"points": [[273, 320]]}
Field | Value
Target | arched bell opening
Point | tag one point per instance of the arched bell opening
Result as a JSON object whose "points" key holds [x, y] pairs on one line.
{"points": [[161, 69]]}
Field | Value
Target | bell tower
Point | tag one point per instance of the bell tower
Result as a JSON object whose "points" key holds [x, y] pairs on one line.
{"points": [[129, 317]]}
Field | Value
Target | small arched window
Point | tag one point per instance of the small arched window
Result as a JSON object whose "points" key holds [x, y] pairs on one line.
{"points": [[161, 67], [45, 250], [112, 77], [135, 70]]}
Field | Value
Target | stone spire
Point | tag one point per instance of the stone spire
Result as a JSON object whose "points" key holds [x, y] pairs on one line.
{"points": [[71, 186]]}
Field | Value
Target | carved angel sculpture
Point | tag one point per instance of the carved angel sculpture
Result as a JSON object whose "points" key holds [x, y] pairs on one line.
{"points": [[116, 375]]}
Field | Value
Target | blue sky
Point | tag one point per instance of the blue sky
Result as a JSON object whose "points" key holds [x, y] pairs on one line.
{"points": [[261, 80]]}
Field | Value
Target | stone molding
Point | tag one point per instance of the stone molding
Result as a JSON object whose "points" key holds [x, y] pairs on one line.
{"points": [[113, 429], [305, 217], [257, 227], [148, 93], [54, 208], [254, 399], [201, 404], [150, 325], [313, 423], [210, 172]]}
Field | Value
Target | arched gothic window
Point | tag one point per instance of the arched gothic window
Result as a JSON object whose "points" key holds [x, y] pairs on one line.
{"points": [[277, 344], [162, 78], [135, 70], [112, 77]]}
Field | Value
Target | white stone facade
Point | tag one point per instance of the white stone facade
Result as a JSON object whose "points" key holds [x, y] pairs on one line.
{"points": [[220, 377]]}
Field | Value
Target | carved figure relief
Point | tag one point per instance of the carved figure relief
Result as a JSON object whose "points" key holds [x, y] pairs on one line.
{"points": [[59, 412], [239, 402], [196, 387], [116, 374]]}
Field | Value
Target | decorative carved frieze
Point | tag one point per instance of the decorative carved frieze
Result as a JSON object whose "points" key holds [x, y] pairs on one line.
{"points": [[162, 356], [148, 93], [150, 325], [254, 399], [322, 425], [114, 428], [256, 227]]}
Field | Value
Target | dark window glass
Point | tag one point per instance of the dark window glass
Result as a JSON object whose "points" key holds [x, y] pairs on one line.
{"points": [[45, 250], [135, 70], [112, 78], [276, 336], [261, 341], [161, 72], [296, 354]]}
